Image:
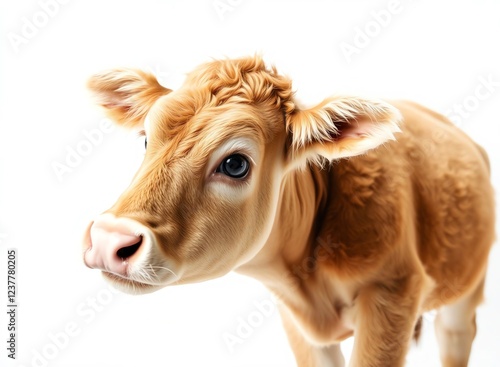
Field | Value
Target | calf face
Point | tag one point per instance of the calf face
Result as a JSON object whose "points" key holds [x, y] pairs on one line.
{"points": [[204, 200]]}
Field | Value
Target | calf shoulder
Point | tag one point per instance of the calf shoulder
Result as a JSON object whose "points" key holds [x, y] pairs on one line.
{"points": [[423, 201]]}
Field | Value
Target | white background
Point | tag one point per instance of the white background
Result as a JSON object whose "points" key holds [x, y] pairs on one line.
{"points": [[436, 54]]}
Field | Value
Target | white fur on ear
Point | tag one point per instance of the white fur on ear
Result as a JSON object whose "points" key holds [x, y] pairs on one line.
{"points": [[342, 127]]}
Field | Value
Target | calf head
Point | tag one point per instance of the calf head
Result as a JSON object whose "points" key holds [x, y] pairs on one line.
{"points": [[204, 200]]}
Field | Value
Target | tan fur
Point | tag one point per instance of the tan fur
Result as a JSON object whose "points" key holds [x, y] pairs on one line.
{"points": [[358, 246]]}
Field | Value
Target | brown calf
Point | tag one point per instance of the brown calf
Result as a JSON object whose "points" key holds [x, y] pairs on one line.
{"points": [[353, 240]]}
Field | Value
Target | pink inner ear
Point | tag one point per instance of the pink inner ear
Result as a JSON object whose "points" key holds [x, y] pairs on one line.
{"points": [[114, 100], [352, 129]]}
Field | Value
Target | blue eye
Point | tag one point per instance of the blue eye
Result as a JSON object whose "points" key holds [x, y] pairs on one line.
{"points": [[235, 166]]}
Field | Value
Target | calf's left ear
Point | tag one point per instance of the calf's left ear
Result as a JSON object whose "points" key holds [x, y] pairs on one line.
{"points": [[340, 127], [126, 94]]}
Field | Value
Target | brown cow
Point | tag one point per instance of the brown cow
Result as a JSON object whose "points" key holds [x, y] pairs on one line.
{"points": [[353, 240]]}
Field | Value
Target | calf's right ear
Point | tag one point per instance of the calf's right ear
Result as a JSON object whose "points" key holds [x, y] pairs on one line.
{"points": [[340, 127], [126, 94]]}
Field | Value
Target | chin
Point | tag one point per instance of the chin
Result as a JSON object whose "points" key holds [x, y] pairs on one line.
{"points": [[130, 286]]}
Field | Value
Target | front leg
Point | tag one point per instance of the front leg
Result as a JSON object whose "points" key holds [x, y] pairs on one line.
{"points": [[307, 354], [385, 318]]}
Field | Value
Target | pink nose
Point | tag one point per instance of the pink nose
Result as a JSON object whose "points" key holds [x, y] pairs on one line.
{"points": [[112, 243]]}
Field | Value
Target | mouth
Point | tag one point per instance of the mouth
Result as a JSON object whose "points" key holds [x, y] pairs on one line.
{"points": [[143, 279], [130, 286]]}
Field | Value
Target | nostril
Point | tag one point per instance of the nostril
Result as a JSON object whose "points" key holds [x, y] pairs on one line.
{"points": [[127, 251]]}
